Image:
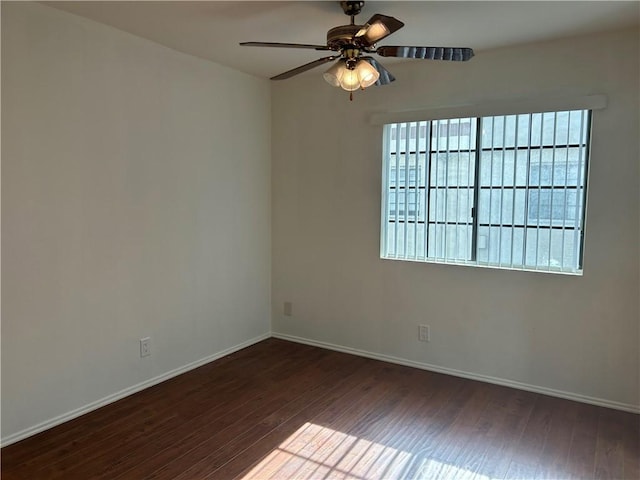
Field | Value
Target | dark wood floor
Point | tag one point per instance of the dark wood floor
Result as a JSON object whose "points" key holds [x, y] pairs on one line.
{"points": [[283, 410]]}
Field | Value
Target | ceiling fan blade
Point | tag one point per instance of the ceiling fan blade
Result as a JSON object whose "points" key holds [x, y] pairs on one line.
{"points": [[428, 53], [385, 75], [304, 68], [284, 45], [378, 27]]}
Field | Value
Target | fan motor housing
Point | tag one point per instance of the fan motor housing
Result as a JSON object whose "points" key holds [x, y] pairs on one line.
{"points": [[352, 8], [338, 37]]}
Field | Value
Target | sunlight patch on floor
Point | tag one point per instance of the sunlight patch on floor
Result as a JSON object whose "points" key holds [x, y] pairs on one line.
{"points": [[316, 452]]}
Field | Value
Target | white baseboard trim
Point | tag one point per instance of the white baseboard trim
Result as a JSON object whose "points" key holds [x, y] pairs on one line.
{"points": [[28, 432], [459, 373]]}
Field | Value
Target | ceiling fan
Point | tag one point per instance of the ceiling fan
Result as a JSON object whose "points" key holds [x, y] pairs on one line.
{"points": [[353, 44]]}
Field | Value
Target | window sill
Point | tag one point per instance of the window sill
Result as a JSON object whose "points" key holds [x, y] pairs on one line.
{"points": [[495, 266]]}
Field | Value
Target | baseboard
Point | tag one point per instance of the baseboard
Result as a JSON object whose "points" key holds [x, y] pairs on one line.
{"points": [[28, 432], [459, 373]]}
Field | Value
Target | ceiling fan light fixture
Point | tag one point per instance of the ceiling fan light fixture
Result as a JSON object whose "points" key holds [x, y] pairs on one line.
{"points": [[351, 45], [367, 74], [361, 76], [334, 74], [350, 80]]}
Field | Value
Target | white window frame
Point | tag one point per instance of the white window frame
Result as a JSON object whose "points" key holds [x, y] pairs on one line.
{"points": [[597, 101]]}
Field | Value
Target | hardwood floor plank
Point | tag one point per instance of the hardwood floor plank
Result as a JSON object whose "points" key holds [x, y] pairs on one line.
{"points": [[631, 444], [501, 437], [283, 410], [412, 445], [472, 445], [528, 453], [616, 446], [395, 438], [427, 453], [553, 457], [582, 452]]}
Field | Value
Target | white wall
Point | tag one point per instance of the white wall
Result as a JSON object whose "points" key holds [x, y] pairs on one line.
{"points": [[575, 336], [135, 202]]}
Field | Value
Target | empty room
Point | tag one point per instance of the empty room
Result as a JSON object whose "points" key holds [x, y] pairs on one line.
{"points": [[320, 239]]}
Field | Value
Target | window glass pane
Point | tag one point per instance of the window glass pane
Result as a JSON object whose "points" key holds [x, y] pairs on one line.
{"points": [[498, 167], [577, 127], [389, 239], [524, 124], [418, 237], [500, 245], [521, 167], [562, 129], [557, 207], [399, 240], [549, 127], [519, 209], [491, 132], [538, 247], [409, 240], [399, 141], [450, 205], [501, 206], [552, 248], [559, 166], [450, 242], [570, 244], [498, 132], [452, 168], [406, 205], [453, 134], [403, 175], [510, 131], [517, 247]]}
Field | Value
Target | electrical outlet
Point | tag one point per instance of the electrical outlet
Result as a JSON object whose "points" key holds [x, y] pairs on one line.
{"points": [[145, 347], [424, 333], [288, 309]]}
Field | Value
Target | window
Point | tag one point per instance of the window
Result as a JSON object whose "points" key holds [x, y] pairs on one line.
{"points": [[502, 191]]}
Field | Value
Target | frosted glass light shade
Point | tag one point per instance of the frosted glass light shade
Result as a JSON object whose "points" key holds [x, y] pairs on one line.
{"points": [[350, 80], [362, 76], [334, 74], [367, 74]]}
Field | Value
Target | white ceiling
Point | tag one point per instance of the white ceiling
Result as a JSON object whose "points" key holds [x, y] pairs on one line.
{"points": [[212, 30]]}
